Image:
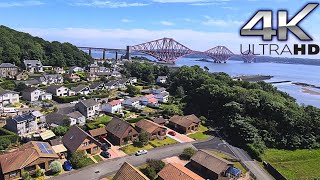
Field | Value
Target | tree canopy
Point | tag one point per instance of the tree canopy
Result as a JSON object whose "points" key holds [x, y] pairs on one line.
{"points": [[16, 46]]}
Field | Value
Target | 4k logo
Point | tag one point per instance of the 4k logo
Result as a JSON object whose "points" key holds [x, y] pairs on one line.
{"points": [[267, 31]]}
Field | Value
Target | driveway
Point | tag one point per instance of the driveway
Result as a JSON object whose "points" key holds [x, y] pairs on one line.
{"points": [[181, 138], [110, 167]]}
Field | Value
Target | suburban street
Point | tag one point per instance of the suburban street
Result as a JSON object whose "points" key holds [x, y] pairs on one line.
{"points": [[109, 167]]}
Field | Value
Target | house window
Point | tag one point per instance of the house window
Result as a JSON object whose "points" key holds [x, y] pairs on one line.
{"points": [[85, 144], [95, 148]]}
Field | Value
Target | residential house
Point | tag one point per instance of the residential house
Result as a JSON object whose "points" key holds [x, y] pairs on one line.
{"points": [[48, 79], [112, 107], [88, 108], [81, 89], [116, 74], [162, 97], [75, 69], [8, 97], [40, 118], [59, 90], [154, 130], [33, 94], [120, 132], [93, 68], [22, 124], [72, 77], [112, 84], [149, 100], [158, 91], [95, 86], [77, 139], [56, 119], [59, 70], [58, 147], [29, 157], [92, 77], [8, 70], [100, 133], [185, 124], [31, 82], [129, 172], [208, 165], [160, 120], [104, 69], [133, 80], [131, 102], [22, 76], [77, 117], [162, 79], [177, 171], [33, 66], [105, 74]]}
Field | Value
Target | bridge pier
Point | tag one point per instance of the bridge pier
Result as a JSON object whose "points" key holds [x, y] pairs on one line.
{"points": [[104, 54], [128, 53], [89, 51], [116, 55]]}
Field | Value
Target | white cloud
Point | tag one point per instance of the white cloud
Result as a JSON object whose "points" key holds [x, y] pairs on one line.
{"points": [[126, 20], [108, 4], [20, 4], [166, 23], [221, 22]]}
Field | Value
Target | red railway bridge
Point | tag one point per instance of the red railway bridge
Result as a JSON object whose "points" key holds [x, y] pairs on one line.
{"points": [[168, 50]]}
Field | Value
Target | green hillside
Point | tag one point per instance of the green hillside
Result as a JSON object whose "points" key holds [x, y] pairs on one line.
{"points": [[16, 46]]}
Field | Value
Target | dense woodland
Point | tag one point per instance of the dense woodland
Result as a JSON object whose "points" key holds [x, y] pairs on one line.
{"points": [[16, 46], [253, 115]]}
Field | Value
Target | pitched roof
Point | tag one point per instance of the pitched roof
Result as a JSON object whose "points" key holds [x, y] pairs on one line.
{"points": [[75, 115], [79, 88], [185, 121], [211, 162], [7, 65], [98, 132], [134, 99], [114, 102], [159, 120], [96, 84], [149, 96], [25, 155], [89, 102], [123, 81], [56, 118], [54, 87], [30, 89], [56, 141], [75, 137], [3, 91], [148, 126], [32, 62], [128, 172], [177, 172], [111, 83], [118, 127]]}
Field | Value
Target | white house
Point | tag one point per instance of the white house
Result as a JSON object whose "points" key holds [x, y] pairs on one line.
{"points": [[112, 106], [88, 108], [158, 91], [59, 90], [8, 97], [132, 102], [162, 97], [33, 66], [149, 100], [35, 94], [162, 79], [81, 89], [22, 124], [112, 84], [75, 69], [77, 118]]}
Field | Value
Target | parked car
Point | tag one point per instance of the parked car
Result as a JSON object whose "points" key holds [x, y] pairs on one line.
{"points": [[172, 133], [105, 154], [141, 152], [67, 165], [105, 147]]}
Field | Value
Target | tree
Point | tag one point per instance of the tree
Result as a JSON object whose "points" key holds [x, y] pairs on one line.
{"points": [[4, 143], [133, 90], [187, 153], [60, 130], [158, 165], [39, 173], [206, 68], [26, 175], [179, 92], [78, 159], [55, 167], [21, 86], [143, 138], [171, 109], [150, 172]]}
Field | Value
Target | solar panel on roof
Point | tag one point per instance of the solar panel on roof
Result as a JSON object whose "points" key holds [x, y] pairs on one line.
{"points": [[44, 148]]}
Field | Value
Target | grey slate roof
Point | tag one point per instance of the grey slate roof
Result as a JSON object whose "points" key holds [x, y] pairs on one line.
{"points": [[75, 115], [3, 91], [54, 87], [123, 81], [79, 88], [32, 62], [118, 127], [96, 84], [8, 65], [111, 83], [89, 102], [56, 118]]}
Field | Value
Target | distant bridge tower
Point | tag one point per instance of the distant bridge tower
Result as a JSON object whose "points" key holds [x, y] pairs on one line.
{"points": [[128, 53], [248, 56]]}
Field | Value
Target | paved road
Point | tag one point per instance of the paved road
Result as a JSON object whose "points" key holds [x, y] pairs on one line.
{"points": [[215, 144], [109, 167]]}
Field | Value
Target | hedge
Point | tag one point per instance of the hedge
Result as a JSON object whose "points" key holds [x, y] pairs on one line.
{"points": [[6, 134]]}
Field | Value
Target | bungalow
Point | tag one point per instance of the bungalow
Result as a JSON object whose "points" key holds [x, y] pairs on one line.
{"points": [[81, 89], [8, 70], [185, 124], [99, 133], [33, 66], [8, 97], [56, 119], [22, 124], [160, 120], [48, 79], [77, 139], [35, 94], [88, 108], [131, 102], [149, 100], [97, 86], [154, 130], [22, 76], [129, 172], [75, 69], [120, 132], [177, 171], [112, 84], [209, 166], [59, 90], [77, 117], [29, 157], [72, 77], [162, 79], [112, 106], [162, 97]]}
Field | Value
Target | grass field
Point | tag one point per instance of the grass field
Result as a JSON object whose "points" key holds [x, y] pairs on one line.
{"points": [[237, 165], [97, 158], [298, 164], [131, 149], [200, 135], [167, 141], [100, 120]]}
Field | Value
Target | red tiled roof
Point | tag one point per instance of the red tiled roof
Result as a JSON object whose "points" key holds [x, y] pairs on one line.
{"points": [[114, 102], [128, 172], [177, 172], [153, 100], [149, 96]]}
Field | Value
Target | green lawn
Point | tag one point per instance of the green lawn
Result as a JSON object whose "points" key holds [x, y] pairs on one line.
{"points": [[298, 164], [100, 120], [97, 158], [200, 135], [237, 165], [131, 149], [167, 141]]}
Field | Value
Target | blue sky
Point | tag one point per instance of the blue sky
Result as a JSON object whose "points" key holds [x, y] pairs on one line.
{"points": [[199, 24]]}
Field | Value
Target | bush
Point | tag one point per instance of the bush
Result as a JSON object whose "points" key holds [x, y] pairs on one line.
{"points": [[79, 159], [4, 143], [25, 175], [39, 173], [60, 130], [7, 136], [150, 172], [56, 167], [143, 138], [187, 153], [158, 165]]}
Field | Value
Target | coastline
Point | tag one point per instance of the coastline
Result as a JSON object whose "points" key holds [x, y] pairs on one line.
{"points": [[309, 91]]}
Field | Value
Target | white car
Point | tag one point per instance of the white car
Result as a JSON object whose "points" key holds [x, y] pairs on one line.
{"points": [[141, 152]]}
